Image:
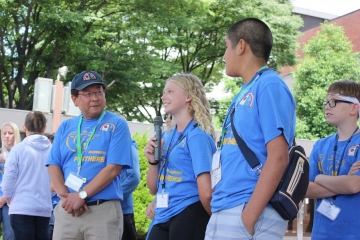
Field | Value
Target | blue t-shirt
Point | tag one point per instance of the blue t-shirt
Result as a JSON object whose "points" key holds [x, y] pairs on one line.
{"points": [[1, 174], [184, 156], [347, 224], [111, 144], [265, 112], [130, 178]]}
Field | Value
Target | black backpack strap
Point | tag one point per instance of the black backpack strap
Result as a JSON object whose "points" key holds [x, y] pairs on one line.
{"points": [[246, 151]]}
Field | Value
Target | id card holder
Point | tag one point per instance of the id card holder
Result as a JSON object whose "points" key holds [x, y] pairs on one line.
{"points": [[215, 172], [328, 209], [74, 181], [162, 200]]}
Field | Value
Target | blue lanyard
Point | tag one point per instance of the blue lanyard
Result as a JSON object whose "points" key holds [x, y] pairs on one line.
{"points": [[181, 137], [236, 101], [334, 173]]}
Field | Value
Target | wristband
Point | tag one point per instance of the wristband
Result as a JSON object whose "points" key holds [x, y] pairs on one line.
{"points": [[155, 163]]}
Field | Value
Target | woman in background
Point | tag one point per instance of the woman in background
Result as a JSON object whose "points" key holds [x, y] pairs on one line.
{"points": [[10, 135], [26, 181]]}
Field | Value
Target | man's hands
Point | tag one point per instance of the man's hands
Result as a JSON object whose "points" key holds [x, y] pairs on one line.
{"points": [[73, 204]]}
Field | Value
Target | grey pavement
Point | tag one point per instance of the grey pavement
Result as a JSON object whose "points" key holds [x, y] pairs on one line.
{"points": [[295, 238]]}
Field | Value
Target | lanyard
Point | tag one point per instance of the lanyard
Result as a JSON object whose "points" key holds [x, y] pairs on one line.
{"points": [[181, 137], [237, 100], [342, 156], [78, 140]]}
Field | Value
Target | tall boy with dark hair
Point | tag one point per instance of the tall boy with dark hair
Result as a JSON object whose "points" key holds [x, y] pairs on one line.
{"points": [[264, 116]]}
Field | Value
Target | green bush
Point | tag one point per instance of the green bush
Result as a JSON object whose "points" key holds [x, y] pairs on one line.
{"points": [[141, 195]]}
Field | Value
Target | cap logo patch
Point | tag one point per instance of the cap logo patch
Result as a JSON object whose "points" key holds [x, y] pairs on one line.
{"points": [[89, 76]]}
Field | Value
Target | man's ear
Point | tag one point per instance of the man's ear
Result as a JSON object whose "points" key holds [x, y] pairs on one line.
{"points": [[74, 99], [24, 128]]}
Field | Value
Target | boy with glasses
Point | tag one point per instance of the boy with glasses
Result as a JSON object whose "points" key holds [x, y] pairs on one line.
{"points": [[337, 192]]}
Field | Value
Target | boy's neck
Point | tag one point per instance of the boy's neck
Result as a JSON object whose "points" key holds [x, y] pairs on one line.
{"points": [[251, 67], [346, 132]]}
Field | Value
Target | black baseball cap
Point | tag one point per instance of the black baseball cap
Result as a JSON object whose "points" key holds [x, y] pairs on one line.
{"points": [[86, 78]]}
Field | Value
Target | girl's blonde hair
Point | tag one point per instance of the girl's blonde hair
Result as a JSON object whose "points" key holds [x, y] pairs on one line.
{"points": [[17, 138], [199, 106]]}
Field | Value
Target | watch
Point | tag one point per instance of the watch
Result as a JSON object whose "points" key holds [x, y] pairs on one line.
{"points": [[83, 194]]}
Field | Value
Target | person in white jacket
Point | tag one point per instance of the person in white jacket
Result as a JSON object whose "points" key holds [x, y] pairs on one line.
{"points": [[26, 182]]}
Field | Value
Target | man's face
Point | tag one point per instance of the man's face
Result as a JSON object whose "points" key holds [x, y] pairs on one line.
{"points": [[91, 101], [230, 59]]}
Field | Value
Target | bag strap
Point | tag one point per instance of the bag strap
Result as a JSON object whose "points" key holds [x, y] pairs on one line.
{"points": [[246, 151], [249, 155]]}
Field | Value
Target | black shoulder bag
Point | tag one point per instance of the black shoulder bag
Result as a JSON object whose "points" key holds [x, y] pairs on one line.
{"points": [[293, 185]]}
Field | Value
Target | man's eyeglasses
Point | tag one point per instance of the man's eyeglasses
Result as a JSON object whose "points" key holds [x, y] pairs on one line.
{"points": [[332, 103], [89, 94]]}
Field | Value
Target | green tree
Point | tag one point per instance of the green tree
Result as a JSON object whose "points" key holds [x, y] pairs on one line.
{"points": [[189, 36], [39, 36], [135, 45], [328, 57]]}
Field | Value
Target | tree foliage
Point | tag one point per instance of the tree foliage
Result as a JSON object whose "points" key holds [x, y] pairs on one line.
{"points": [[328, 57], [136, 44], [141, 194]]}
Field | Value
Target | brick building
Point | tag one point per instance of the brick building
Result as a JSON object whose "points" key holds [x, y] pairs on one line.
{"points": [[350, 22]]}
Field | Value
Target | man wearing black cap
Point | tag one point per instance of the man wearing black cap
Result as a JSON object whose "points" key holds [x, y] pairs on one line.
{"points": [[90, 189]]}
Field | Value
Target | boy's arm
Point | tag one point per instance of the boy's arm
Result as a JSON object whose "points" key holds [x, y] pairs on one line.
{"points": [[317, 191], [275, 165], [343, 184]]}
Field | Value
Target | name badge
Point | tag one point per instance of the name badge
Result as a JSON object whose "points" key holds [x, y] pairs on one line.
{"points": [[215, 172], [328, 209], [215, 160], [162, 200], [74, 181], [215, 177]]}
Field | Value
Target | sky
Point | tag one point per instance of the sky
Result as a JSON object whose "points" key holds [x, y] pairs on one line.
{"points": [[335, 7]]}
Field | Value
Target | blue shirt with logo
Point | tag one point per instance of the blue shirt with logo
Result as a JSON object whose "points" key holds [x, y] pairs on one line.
{"points": [[265, 112], [185, 155], [111, 144], [347, 223]]}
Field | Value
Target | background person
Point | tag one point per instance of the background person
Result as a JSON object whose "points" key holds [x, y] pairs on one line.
{"points": [[130, 179], [181, 179], [26, 182], [264, 116], [86, 158], [10, 135], [334, 181]]}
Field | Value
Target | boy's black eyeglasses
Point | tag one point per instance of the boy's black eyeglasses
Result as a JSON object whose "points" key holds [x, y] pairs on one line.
{"points": [[332, 103]]}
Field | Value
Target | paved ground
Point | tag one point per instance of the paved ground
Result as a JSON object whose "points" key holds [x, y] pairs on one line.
{"points": [[295, 238]]}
